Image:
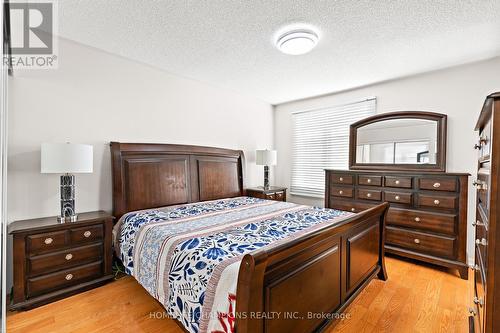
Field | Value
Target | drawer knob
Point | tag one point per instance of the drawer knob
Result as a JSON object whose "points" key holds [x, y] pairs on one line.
{"points": [[397, 197], [368, 180], [436, 185], [417, 219], [87, 234], [69, 277], [478, 300], [396, 182], [341, 179], [353, 209], [436, 202], [417, 241], [476, 268], [69, 256], [48, 240], [341, 192], [481, 241], [472, 311], [368, 195]]}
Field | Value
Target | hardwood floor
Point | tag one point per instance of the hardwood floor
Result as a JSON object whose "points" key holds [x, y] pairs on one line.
{"points": [[415, 298]]}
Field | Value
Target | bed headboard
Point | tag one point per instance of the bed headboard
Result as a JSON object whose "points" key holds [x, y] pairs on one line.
{"points": [[149, 175]]}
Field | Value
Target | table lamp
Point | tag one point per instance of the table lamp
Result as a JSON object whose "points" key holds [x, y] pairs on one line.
{"points": [[66, 159], [266, 158]]}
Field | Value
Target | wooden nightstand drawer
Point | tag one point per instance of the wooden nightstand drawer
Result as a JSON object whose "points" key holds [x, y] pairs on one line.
{"points": [[46, 242], [46, 263], [280, 196], [47, 283], [86, 234], [270, 196]]}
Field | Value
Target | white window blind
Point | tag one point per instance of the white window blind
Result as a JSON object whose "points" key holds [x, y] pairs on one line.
{"points": [[321, 141]]}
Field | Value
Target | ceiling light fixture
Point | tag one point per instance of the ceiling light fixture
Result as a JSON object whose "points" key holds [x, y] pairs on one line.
{"points": [[298, 41]]}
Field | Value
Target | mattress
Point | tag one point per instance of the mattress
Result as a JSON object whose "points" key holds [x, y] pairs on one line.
{"points": [[188, 256]]}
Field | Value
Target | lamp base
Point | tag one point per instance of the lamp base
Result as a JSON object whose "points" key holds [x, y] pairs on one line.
{"points": [[68, 213], [266, 177], [64, 219]]}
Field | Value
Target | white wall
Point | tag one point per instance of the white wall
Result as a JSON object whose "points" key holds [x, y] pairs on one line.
{"points": [[94, 98], [458, 92]]}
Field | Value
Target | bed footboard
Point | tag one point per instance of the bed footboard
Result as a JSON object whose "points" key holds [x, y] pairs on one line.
{"points": [[304, 285]]}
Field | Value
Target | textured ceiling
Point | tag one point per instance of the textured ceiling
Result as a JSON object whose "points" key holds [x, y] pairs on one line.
{"points": [[229, 43]]}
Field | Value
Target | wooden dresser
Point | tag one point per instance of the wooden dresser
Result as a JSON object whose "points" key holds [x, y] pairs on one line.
{"points": [[486, 308], [53, 260], [427, 219]]}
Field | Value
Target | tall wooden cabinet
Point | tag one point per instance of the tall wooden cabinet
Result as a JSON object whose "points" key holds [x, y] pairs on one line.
{"points": [[486, 299]]}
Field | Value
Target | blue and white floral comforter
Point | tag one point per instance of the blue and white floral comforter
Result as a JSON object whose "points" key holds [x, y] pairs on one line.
{"points": [[188, 256]]}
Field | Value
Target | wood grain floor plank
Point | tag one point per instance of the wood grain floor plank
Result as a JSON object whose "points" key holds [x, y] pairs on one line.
{"points": [[416, 298]]}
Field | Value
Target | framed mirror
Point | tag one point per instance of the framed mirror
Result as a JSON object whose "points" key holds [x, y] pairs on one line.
{"points": [[405, 140]]}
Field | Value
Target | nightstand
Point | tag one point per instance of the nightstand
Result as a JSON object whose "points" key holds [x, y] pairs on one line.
{"points": [[273, 193], [53, 260]]}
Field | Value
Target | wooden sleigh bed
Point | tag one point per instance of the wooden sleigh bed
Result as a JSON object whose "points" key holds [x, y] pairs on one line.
{"points": [[306, 281]]}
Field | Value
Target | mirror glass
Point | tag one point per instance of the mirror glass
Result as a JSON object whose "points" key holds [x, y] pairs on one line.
{"points": [[397, 141]]}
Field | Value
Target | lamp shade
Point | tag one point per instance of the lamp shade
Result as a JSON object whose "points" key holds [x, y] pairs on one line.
{"points": [[66, 158], [266, 157]]}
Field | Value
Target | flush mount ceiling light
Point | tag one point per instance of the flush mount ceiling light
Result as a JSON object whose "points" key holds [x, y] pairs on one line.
{"points": [[298, 41]]}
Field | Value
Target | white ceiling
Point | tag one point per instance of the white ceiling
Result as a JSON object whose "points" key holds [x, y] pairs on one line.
{"points": [[229, 43]]}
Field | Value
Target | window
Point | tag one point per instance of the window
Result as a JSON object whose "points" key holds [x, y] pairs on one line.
{"points": [[321, 141]]}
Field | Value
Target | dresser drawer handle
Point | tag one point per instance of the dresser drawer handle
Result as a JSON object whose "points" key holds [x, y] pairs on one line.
{"points": [[476, 268], [368, 195], [396, 182], [48, 240], [477, 223], [417, 241], [69, 277], [397, 197], [417, 219], [353, 209], [87, 234], [481, 241], [436, 185], [368, 180], [479, 300], [472, 311], [69, 256], [436, 202], [341, 179], [341, 192]]}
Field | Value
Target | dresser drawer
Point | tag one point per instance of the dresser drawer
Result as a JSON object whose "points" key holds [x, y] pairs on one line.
{"points": [[438, 201], [340, 178], [270, 196], [341, 191], [436, 222], [398, 197], [375, 195], [350, 206], [401, 182], [47, 263], [370, 180], [440, 246], [479, 286], [438, 184], [47, 242], [65, 278], [86, 234]]}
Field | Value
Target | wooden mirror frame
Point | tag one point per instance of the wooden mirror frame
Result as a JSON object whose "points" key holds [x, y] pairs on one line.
{"points": [[440, 165]]}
